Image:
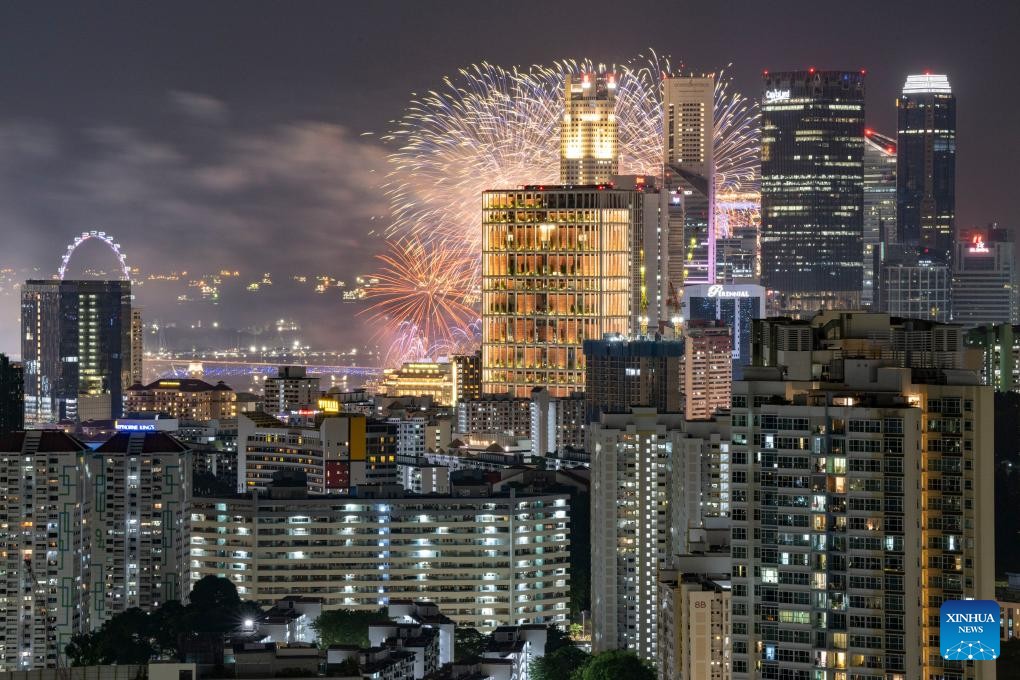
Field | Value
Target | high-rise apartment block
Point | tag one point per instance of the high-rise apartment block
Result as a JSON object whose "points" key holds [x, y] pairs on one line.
{"points": [[141, 492], [87, 534], [985, 287], [183, 398], [631, 456], [862, 484], [707, 369], [694, 619], [486, 560], [589, 152], [556, 270], [76, 349], [926, 165], [12, 395], [812, 189], [291, 390], [689, 170], [557, 423], [621, 373], [498, 414]]}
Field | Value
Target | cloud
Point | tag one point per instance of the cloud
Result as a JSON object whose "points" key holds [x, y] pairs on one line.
{"points": [[293, 198], [198, 106]]}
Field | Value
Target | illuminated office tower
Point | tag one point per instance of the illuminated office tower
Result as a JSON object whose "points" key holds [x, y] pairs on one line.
{"points": [[862, 483], [812, 189], [707, 369], [647, 246], [689, 171], [588, 139], [879, 209], [556, 270], [735, 305], [926, 165], [984, 278], [76, 349]]}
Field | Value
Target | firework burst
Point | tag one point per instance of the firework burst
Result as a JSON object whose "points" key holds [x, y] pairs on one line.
{"points": [[495, 127], [423, 286]]}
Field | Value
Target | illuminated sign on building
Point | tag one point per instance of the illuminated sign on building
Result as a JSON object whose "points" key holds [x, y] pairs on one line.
{"points": [[717, 290], [978, 245], [776, 96], [134, 427]]}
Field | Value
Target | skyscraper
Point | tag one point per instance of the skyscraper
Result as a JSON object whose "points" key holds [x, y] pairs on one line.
{"points": [[12, 396], [984, 278], [926, 165], [879, 208], [76, 349], [862, 474], [556, 270], [137, 351], [688, 108], [588, 139], [812, 182]]}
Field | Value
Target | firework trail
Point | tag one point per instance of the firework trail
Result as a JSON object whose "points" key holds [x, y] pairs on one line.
{"points": [[494, 127]]}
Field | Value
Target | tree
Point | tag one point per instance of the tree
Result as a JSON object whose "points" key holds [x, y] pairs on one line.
{"points": [[614, 665], [468, 643], [346, 626], [560, 664], [85, 649], [556, 639], [212, 593], [1007, 666]]}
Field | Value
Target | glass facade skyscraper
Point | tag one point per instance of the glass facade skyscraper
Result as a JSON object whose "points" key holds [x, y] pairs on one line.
{"points": [[926, 165], [812, 189], [75, 348], [879, 208]]}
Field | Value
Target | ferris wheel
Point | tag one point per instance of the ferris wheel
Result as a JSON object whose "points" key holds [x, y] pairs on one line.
{"points": [[96, 235]]}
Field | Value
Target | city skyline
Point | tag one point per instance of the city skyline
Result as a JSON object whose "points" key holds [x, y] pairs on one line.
{"points": [[197, 169]]}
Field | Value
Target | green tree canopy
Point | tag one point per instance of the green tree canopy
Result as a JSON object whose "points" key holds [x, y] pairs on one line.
{"points": [[615, 665], [468, 643], [346, 626], [559, 664]]}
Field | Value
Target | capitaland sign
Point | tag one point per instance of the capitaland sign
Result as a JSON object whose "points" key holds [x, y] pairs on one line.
{"points": [[719, 291], [772, 96], [969, 630]]}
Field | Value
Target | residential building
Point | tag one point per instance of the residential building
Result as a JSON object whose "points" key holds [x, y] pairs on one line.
{"points": [[999, 353], [694, 619], [12, 395], [333, 453], [182, 398], [137, 347], [707, 370], [631, 456], [622, 372], [556, 270], [556, 423], [290, 390], [484, 560], [862, 485], [588, 136], [44, 508], [141, 491], [985, 289], [75, 349], [812, 189], [495, 414]]}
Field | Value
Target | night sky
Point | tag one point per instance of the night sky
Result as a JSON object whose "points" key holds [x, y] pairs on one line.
{"points": [[229, 134]]}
